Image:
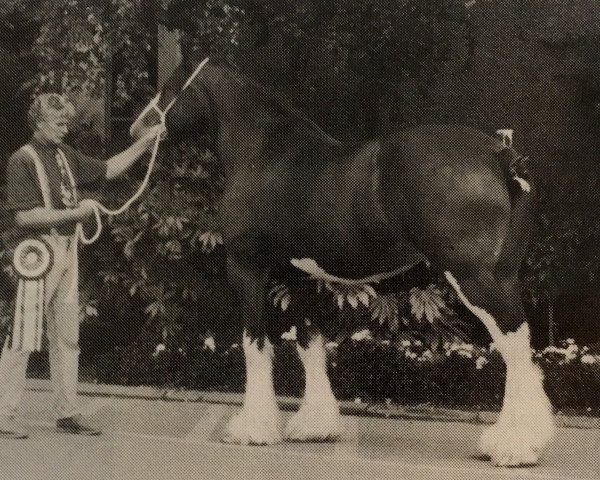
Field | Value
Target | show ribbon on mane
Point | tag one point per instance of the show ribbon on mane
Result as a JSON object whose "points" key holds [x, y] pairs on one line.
{"points": [[98, 207], [32, 259]]}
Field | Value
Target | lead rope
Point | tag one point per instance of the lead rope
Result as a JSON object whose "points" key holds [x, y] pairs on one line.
{"points": [[98, 207]]}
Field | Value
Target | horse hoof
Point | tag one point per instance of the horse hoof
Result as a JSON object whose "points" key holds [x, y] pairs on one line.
{"points": [[252, 429], [513, 446], [314, 423]]}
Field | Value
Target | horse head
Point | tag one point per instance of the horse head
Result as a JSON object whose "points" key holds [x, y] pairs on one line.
{"points": [[183, 104]]}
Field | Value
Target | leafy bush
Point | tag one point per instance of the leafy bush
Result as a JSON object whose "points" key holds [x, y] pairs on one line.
{"points": [[457, 375]]}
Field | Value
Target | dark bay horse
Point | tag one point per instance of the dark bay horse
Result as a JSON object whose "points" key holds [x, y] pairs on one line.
{"points": [[446, 195]]}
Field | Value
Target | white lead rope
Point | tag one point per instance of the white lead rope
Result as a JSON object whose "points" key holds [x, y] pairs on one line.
{"points": [[98, 207]]}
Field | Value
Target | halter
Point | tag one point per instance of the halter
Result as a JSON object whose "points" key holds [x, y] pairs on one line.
{"points": [[97, 206]]}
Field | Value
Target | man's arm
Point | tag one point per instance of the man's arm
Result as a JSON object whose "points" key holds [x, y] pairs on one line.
{"points": [[40, 217], [121, 162]]}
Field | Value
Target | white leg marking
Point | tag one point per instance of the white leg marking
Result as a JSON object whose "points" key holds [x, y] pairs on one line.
{"points": [[318, 417], [258, 423], [480, 313], [526, 424]]}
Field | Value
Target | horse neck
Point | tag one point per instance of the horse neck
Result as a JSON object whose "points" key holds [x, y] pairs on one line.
{"points": [[249, 126]]}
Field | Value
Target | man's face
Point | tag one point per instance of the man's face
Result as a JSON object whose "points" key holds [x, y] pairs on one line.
{"points": [[53, 128]]}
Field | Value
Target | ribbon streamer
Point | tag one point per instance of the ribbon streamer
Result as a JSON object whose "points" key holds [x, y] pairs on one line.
{"points": [[32, 260]]}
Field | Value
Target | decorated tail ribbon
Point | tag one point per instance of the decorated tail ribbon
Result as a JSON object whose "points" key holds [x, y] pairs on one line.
{"points": [[98, 207]]}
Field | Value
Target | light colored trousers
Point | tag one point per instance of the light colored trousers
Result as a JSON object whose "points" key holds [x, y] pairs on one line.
{"points": [[61, 306]]}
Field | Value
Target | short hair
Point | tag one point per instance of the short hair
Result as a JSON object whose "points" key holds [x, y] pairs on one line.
{"points": [[47, 103]]}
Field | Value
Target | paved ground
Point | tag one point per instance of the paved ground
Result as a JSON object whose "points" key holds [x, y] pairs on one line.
{"points": [[155, 439]]}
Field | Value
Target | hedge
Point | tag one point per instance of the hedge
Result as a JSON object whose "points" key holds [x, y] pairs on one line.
{"points": [[459, 375]]}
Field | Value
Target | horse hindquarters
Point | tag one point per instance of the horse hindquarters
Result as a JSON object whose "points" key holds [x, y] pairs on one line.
{"points": [[258, 423], [493, 294], [462, 211]]}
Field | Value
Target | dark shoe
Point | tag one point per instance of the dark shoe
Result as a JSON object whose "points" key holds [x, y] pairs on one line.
{"points": [[11, 429], [75, 426]]}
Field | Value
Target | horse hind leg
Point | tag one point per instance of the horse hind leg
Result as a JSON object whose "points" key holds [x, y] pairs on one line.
{"points": [[525, 425], [318, 418], [258, 423]]}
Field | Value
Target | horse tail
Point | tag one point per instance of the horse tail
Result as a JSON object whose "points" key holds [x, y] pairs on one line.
{"points": [[522, 196]]}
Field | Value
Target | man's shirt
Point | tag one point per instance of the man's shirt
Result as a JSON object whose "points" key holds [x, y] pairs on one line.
{"points": [[23, 187]]}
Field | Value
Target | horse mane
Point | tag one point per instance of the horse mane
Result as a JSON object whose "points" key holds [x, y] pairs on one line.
{"points": [[280, 110]]}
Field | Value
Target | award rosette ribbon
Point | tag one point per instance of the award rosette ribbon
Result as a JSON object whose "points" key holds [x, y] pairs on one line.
{"points": [[32, 260]]}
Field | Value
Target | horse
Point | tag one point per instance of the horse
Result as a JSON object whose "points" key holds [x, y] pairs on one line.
{"points": [[448, 195]]}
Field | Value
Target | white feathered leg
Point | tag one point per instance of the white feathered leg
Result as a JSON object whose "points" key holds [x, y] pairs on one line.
{"points": [[318, 418], [258, 423], [526, 424]]}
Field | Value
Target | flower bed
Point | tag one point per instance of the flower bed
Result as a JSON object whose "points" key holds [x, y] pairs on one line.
{"points": [[459, 375]]}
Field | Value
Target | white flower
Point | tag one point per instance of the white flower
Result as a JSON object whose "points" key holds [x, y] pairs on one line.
{"points": [[159, 348], [290, 335], [362, 335], [588, 359], [480, 362], [209, 343], [426, 355], [570, 341], [331, 345], [406, 343]]}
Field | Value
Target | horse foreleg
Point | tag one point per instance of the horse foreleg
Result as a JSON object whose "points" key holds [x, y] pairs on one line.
{"points": [[258, 423], [318, 418], [525, 425]]}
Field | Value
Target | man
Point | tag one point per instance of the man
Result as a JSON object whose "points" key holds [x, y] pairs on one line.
{"points": [[45, 206]]}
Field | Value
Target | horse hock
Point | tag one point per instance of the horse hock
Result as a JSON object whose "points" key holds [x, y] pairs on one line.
{"points": [[525, 425]]}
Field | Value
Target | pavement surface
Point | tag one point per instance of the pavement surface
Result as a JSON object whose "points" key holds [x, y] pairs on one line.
{"points": [[146, 437]]}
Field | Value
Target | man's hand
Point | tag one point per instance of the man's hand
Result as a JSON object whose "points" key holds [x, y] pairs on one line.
{"points": [[149, 137], [121, 162], [85, 209]]}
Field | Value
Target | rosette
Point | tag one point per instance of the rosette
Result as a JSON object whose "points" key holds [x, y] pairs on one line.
{"points": [[32, 260]]}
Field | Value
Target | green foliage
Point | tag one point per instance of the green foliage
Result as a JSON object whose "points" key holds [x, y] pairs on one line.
{"points": [[457, 375], [166, 253], [212, 27], [76, 41]]}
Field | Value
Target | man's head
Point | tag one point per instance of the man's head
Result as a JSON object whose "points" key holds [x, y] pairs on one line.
{"points": [[49, 117]]}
